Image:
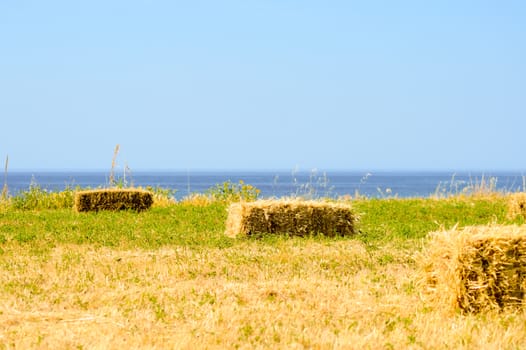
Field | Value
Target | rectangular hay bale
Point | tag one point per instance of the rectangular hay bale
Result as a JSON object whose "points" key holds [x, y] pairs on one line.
{"points": [[113, 199], [293, 217], [477, 268]]}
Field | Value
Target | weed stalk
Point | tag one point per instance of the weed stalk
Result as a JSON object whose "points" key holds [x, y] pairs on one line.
{"points": [[5, 188], [113, 165]]}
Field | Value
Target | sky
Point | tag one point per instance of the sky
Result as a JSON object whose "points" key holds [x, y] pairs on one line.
{"points": [[263, 84]]}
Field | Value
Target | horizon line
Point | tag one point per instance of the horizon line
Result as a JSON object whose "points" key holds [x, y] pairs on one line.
{"points": [[267, 170]]}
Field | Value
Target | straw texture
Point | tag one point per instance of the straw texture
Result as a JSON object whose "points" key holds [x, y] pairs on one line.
{"points": [[517, 205], [477, 268], [292, 217], [113, 199]]}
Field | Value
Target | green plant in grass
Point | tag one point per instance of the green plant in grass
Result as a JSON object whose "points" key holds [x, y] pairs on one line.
{"points": [[161, 192], [232, 192], [38, 198]]}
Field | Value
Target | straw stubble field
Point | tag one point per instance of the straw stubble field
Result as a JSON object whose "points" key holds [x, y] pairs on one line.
{"points": [[200, 289]]}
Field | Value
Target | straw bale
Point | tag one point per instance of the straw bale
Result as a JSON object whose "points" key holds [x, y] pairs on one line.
{"points": [[517, 205], [292, 217], [113, 199], [476, 269]]}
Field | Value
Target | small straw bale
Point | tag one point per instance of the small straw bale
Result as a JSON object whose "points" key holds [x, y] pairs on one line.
{"points": [[475, 269], [291, 217], [517, 205], [113, 199]]}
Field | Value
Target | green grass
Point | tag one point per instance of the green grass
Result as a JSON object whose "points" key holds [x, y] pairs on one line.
{"points": [[175, 225], [408, 219], [381, 220]]}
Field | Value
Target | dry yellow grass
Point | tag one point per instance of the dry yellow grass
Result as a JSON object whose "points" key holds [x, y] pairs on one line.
{"points": [[197, 199], [516, 205], [319, 295], [162, 201]]}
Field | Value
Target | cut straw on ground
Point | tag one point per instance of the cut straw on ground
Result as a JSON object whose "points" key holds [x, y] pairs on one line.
{"points": [[298, 295]]}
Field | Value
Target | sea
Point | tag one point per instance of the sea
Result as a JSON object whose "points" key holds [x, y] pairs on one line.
{"points": [[275, 184]]}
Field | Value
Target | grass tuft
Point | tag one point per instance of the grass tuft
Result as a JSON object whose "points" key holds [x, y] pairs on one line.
{"points": [[37, 198]]}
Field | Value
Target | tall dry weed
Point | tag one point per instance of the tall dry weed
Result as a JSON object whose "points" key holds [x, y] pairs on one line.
{"points": [[5, 190], [112, 180]]}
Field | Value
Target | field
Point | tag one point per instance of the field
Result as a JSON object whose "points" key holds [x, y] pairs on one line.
{"points": [[170, 278]]}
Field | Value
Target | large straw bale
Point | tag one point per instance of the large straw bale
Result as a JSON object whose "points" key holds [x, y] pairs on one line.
{"points": [[517, 205], [476, 269], [113, 199], [292, 217]]}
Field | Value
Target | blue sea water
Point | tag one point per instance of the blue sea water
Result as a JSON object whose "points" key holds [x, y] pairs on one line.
{"points": [[312, 184]]}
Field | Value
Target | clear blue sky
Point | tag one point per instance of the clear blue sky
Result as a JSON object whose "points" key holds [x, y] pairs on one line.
{"points": [[263, 84]]}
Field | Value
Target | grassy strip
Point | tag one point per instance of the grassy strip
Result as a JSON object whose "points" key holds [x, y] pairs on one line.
{"points": [[381, 220], [388, 219], [175, 225]]}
